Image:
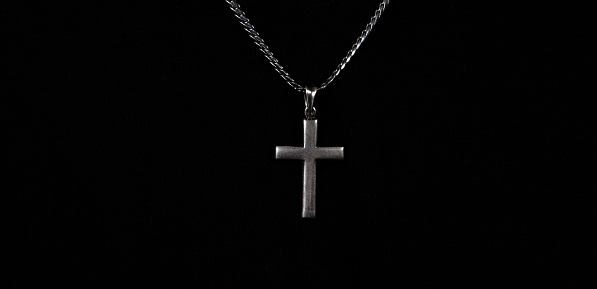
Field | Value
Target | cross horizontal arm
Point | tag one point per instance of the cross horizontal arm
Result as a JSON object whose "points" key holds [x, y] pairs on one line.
{"points": [[290, 153], [334, 153]]}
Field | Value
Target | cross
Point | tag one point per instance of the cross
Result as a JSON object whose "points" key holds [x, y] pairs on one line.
{"points": [[309, 153]]}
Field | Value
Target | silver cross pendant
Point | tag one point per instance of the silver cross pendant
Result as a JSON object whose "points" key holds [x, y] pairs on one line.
{"points": [[309, 153]]}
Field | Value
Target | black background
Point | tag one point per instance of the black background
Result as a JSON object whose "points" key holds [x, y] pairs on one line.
{"points": [[141, 146]]}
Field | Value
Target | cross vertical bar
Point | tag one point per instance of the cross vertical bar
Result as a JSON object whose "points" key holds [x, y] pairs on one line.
{"points": [[310, 134], [309, 189]]}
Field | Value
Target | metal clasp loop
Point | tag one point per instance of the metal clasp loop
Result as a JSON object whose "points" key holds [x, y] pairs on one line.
{"points": [[309, 100]]}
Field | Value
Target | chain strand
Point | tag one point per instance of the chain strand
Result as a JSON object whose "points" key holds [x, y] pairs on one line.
{"points": [[244, 21]]}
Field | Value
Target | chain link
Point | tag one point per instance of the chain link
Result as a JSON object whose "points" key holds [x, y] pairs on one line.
{"points": [[244, 21]]}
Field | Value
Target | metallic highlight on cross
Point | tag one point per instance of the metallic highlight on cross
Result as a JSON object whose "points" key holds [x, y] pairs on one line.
{"points": [[309, 153]]}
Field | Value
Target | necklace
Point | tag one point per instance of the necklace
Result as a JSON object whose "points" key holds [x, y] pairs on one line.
{"points": [[309, 152]]}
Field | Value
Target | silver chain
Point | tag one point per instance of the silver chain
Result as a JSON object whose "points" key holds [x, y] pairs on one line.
{"points": [[274, 62]]}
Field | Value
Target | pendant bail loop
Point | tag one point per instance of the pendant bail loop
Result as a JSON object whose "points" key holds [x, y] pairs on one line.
{"points": [[309, 100]]}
